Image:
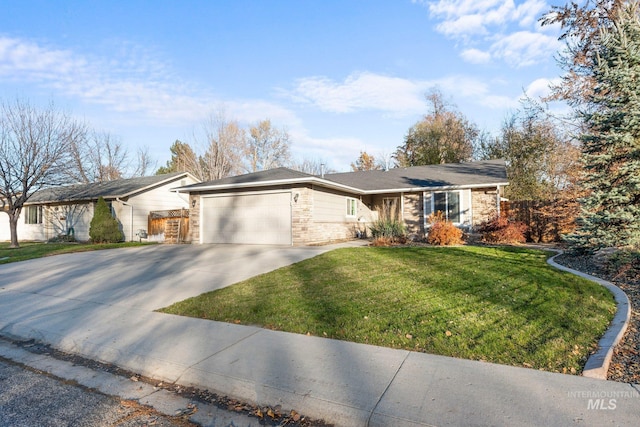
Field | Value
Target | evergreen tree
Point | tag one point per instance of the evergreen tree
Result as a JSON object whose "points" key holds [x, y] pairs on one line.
{"points": [[182, 159], [104, 228], [611, 144]]}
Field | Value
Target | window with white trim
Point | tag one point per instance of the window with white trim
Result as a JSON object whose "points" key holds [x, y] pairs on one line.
{"points": [[352, 207], [33, 215], [447, 202]]}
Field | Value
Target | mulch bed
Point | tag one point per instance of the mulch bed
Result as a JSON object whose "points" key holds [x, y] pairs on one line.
{"points": [[625, 364]]}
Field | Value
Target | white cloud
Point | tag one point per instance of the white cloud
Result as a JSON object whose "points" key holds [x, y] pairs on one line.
{"points": [[528, 13], [132, 82], [476, 56], [452, 8], [28, 61], [361, 91], [373, 92], [508, 31], [485, 13], [391, 95], [525, 48], [541, 88], [466, 25], [340, 150], [253, 110], [499, 102]]}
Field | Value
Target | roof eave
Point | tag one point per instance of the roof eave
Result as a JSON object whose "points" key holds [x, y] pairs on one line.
{"points": [[150, 186], [435, 188], [290, 181]]}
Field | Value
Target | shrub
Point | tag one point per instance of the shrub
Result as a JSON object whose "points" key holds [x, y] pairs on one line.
{"points": [[501, 230], [442, 232], [387, 231], [62, 238], [104, 228]]}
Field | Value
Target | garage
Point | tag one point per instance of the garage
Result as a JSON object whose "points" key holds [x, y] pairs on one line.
{"points": [[258, 218]]}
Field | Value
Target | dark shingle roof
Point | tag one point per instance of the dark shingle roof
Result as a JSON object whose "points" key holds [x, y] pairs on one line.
{"points": [[108, 189], [490, 172], [277, 174], [453, 174]]}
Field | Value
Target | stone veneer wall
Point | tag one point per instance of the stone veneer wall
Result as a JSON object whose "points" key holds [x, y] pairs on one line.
{"points": [[308, 229], [485, 204], [413, 214], [194, 218]]}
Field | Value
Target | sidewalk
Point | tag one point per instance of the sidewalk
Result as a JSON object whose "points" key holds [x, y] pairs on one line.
{"points": [[343, 383]]}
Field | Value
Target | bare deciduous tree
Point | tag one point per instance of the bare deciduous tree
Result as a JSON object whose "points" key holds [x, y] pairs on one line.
{"points": [[312, 166], [144, 162], [267, 147], [225, 143], [98, 157], [34, 152]]}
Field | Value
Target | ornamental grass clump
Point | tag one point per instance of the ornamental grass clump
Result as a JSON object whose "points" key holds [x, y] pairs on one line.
{"points": [[386, 232], [442, 232]]}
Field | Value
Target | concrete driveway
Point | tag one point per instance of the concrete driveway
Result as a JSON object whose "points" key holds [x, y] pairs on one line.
{"points": [[100, 305], [147, 277]]}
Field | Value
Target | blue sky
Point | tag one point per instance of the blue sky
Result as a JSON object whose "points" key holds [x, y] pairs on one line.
{"points": [[340, 76]]}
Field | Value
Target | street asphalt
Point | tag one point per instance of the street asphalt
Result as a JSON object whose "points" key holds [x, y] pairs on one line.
{"points": [[100, 305], [29, 397]]}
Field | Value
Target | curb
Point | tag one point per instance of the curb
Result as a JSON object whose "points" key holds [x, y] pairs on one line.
{"points": [[162, 401], [597, 365]]}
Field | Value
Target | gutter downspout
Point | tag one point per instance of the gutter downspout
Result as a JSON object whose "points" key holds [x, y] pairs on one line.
{"points": [[130, 217]]}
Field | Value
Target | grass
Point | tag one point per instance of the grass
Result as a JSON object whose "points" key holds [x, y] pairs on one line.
{"points": [[502, 305], [31, 250]]}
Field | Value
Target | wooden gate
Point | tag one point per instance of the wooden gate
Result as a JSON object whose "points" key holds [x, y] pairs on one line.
{"points": [[170, 226]]}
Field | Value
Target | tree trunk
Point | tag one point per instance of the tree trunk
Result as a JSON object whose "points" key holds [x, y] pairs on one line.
{"points": [[13, 226]]}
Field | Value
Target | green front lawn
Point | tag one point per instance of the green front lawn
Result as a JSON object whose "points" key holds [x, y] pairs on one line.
{"points": [[502, 305], [33, 250]]}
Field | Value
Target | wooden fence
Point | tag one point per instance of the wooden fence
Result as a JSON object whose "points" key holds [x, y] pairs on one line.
{"points": [[547, 220], [173, 224]]}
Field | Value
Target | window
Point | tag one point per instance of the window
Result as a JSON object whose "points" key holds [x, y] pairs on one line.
{"points": [[352, 206], [33, 215], [447, 202]]}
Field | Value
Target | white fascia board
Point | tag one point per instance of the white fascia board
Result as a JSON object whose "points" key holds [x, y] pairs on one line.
{"points": [[438, 188], [331, 184], [157, 184], [292, 181]]}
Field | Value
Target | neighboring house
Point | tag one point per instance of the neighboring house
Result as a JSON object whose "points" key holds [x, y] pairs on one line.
{"points": [[283, 206], [68, 210]]}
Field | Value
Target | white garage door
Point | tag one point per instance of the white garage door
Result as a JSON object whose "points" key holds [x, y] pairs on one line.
{"points": [[263, 219]]}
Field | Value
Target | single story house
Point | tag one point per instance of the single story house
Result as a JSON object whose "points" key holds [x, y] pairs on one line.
{"points": [[68, 210], [287, 207]]}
